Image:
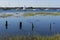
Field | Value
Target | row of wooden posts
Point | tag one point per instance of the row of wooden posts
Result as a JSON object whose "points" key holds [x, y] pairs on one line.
{"points": [[20, 25]]}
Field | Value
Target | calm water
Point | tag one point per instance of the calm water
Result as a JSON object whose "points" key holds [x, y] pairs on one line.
{"points": [[43, 25], [38, 10]]}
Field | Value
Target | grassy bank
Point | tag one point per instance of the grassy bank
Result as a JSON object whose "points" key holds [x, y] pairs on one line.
{"points": [[5, 15], [55, 37], [42, 13]]}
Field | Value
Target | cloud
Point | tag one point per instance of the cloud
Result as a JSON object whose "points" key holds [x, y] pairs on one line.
{"points": [[29, 3]]}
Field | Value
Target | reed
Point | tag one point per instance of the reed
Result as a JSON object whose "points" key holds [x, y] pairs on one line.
{"points": [[42, 13], [34, 37], [5, 15]]}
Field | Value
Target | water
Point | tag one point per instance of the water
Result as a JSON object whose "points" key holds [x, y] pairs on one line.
{"points": [[37, 10], [43, 25]]}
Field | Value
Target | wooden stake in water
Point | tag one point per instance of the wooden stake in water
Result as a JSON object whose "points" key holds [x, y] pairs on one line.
{"points": [[20, 25], [32, 26], [6, 24], [50, 26]]}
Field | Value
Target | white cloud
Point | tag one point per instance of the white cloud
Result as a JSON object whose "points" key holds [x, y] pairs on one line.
{"points": [[34, 3]]}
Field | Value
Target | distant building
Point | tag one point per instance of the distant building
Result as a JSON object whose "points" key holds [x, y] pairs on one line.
{"points": [[24, 8]]}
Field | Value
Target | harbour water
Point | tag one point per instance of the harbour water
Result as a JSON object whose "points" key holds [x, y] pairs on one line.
{"points": [[30, 25]]}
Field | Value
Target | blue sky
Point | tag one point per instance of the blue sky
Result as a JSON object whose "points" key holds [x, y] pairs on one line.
{"points": [[29, 3]]}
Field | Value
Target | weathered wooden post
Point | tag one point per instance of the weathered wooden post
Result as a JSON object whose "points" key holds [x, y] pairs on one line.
{"points": [[6, 24], [20, 25], [50, 26], [32, 26]]}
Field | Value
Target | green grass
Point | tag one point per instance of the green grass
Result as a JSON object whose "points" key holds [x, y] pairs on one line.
{"points": [[42, 13], [30, 14], [5, 15], [55, 37]]}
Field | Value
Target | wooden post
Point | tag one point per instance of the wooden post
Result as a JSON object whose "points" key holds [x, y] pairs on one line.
{"points": [[50, 26], [20, 25], [6, 24], [32, 27]]}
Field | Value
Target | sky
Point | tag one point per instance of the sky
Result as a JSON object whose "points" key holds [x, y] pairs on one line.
{"points": [[30, 3]]}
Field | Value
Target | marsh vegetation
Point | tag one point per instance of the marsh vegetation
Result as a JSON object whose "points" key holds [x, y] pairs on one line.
{"points": [[34, 37], [42, 13]]}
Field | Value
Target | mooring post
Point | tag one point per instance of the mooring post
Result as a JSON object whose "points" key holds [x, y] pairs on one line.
{"points": [[50, 26], [20, 25], [6, 24], [32, 26]]}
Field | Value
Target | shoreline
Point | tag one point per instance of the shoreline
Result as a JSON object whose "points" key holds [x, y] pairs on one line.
{"points": [[26, 14]]}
